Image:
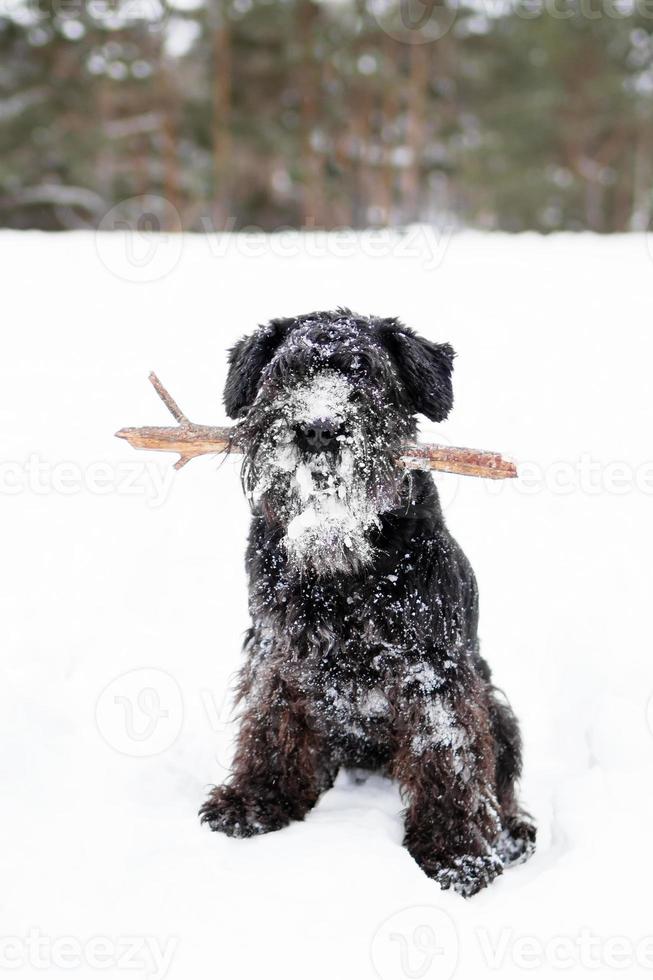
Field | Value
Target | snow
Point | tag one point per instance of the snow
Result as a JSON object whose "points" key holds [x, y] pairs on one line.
{"points": [[329, 503], [333, 503], [325, 396], [124, 606], [441, 729]]}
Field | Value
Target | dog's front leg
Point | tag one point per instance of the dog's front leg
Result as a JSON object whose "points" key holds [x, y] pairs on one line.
{"points": [[445, 766], [279, 768]]}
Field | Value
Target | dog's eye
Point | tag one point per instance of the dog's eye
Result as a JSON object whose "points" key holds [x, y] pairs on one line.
{"points": [[356, 396]]}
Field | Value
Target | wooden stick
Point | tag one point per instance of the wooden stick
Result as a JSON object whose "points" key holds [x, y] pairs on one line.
{"points": [[190, 440], [453, 459], [168, 400]]}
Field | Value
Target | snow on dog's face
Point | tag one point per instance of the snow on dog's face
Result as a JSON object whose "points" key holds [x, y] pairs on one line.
{"points": [[327, 491], [325, 403]]}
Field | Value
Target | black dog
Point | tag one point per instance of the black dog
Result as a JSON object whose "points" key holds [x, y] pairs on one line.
{"points": [[363, 650]]}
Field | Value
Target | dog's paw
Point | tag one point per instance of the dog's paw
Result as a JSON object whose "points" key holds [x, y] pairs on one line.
{"points": [[241, 814], [516, 842], [468, 874]]}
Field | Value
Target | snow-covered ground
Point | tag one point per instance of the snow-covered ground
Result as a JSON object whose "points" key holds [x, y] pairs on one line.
{"points": [[123, 607]]}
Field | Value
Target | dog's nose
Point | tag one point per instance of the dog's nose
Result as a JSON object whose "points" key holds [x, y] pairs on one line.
{"points": [[318, 435]]}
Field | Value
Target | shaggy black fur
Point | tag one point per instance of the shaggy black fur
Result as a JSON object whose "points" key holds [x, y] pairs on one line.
{"points": [[363, 650]]}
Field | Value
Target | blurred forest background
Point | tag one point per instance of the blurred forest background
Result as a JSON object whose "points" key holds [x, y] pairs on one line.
{"points": [[340, 113]]}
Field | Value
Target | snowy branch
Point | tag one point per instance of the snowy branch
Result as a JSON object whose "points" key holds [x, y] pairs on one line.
{"points": [[57, 194], [15, 104]]}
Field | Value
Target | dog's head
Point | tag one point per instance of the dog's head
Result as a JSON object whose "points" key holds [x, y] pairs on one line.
{"points": [[325, 403]]}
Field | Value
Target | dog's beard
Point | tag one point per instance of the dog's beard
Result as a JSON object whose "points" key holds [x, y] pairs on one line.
{"points": [[329, 503], [326, 505], [332, 515]]}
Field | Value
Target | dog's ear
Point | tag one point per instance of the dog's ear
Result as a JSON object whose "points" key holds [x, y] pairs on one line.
{"points": [[424, 369], [247, 360]]}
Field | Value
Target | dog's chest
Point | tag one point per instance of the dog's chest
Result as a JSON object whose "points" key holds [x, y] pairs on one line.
{"points": [[351, 695], [357, 650], [356, 699], [362, 617], [358, 667]]}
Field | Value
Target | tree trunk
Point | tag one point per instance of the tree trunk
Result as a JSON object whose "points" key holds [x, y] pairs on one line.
{"points": [[309, 164], [221, 121], [389, 116], [416, 128], [169, 135], [642, 184]]}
